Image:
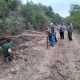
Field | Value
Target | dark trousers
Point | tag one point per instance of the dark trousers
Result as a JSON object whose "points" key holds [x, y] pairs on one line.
{"points": [[61, 35], [8, 58], [70, 35]]}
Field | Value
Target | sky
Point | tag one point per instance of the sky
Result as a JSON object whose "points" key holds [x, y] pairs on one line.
{"points": [[62, 7]]}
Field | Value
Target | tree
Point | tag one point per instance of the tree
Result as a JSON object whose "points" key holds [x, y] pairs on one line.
{"points": [[32, 15], [74, 9], [7, 9], [74, 16]]}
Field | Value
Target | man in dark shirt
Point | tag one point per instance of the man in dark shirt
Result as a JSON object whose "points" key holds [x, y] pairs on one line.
{"points": [[6, 49]]}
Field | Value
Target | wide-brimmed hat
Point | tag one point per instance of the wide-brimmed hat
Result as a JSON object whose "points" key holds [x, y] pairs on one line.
{"points": [[51, 24]]}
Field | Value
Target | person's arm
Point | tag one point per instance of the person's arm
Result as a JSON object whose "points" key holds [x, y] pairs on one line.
{"points": [[11, 52], [72, 27], [65, 28], [54, 33], [1, 49]]}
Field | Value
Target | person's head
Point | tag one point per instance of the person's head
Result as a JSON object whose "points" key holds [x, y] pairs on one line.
{"points": [[8, 40], [68, 23], [62, 24], [51, 24]]}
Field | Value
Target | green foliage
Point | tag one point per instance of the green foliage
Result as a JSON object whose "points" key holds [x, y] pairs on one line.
{"points": [[75, 9], [6, 6], [15, 15], [3, 8], [13, 4], [38, 15], [74, 16]]}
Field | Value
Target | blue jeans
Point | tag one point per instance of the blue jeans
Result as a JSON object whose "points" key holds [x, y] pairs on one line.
{"points": [[52, 39]]}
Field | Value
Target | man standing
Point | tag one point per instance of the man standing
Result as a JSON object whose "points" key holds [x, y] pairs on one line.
{"points": [[70, 30], [61, 31], [52, 34]]}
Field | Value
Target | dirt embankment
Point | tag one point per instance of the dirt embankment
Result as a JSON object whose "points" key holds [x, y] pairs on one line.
{"points": [[36, 62]]}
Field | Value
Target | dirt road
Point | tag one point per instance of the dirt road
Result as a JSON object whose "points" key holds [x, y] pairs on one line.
{"points": [[36, 62]]}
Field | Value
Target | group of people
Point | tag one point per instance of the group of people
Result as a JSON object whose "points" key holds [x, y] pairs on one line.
{"points": [[6, 48], [61, 28], [69, 29]]}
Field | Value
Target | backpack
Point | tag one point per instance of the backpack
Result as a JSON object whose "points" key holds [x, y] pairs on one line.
{"points": [[49, 32]]}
